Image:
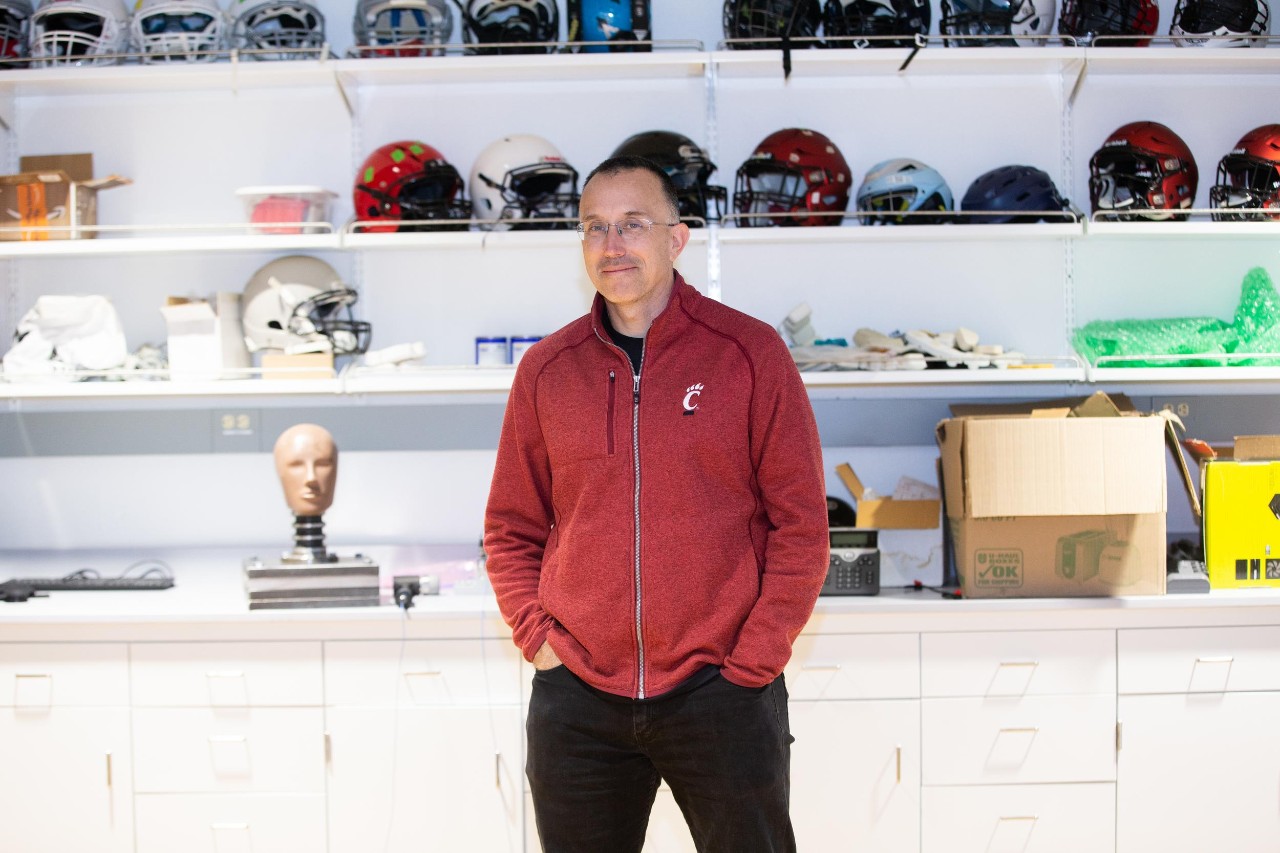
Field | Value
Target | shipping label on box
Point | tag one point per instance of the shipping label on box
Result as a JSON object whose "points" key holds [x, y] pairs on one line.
{"points": [[1242, 523], [1056, 506], [50, 205]]}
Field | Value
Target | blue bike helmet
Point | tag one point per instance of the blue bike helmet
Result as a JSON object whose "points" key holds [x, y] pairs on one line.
{"points": [[610, 26], [1013, 194], [903, 186]]}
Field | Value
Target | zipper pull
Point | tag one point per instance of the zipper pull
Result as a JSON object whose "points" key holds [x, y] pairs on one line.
{"points": [[635, 389]]}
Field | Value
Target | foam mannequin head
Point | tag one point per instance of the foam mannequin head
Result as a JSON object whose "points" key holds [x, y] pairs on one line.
{"points": [[307, 463]]}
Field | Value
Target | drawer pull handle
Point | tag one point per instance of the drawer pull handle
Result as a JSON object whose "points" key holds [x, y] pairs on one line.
{"points": [[1019, 663], [497, 770], [328, 748], [1217, 659], [1021, 730], [898, 761], [33, 675], [108, 770], [422, 673], [1029, 817], [227, 738], [226, 673], [820, 667], [229, 827]]}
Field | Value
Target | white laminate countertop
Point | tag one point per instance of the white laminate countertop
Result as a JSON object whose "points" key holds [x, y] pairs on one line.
{"points": [[208, 601]]}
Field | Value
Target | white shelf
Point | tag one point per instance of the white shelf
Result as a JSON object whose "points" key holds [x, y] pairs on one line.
{"points": [[233, 75], [1186, 375], [105, 246], [1182, 230], [1165, 59], [933, 60], [567, 68], [151, 389], [858, 233], [943, 378]]}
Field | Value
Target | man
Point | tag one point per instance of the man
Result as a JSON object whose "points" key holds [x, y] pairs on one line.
{"points": [[656, 536]]}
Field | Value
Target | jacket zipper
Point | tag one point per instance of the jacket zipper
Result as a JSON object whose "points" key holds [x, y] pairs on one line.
{"points": [[635, 461], [613, 381]]}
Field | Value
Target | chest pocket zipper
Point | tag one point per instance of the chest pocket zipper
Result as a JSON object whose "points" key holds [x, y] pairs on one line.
{"points": [[608, 427]]}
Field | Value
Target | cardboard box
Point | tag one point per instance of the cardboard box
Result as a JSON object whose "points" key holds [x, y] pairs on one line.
{"points": [[889, 513], [1242, 515], [52, 198], [1052, 503], [206, 341], [311, 365]]}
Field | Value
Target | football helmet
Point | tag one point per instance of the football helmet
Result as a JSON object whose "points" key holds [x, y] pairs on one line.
{"points": [[15, 18], [79, 32], [410, 180], [1220, 23], [520, 182], [857, 20], [1249, 176], [609, 26], [522, 26], [1142, 171], [903, 186], [688, 167], [792, 171], [299, 304], [401, 27], [1013, 194], [178, 30], [277, 29], [1086, 20], [770, 19], [973, 19]]}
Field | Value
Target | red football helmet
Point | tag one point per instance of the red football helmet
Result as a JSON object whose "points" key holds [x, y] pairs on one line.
{"points": [[1249, 176], [1142, 167], [792, 171], [410, 181]]}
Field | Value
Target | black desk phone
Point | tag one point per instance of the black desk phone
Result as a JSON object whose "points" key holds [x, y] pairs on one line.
{"points": [[855, 562]]}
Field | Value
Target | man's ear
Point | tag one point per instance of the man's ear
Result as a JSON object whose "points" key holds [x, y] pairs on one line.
{"points": [[679, 239]]}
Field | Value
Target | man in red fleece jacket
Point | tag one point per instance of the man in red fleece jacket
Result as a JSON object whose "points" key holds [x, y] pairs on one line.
{"points": [[656, 536]]}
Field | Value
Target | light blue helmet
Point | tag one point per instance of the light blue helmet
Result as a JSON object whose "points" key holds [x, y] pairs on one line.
{"points": [[903, 186], [609, 25]]}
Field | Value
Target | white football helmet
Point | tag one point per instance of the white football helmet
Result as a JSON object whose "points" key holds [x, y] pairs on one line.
{"points": [[276, 29], [402, 27], [521, 181], [79, 32], [15, 20], [299, 304], [178, 30]]}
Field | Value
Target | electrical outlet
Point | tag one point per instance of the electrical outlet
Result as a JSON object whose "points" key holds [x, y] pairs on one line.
{"points": [[235, 431]]}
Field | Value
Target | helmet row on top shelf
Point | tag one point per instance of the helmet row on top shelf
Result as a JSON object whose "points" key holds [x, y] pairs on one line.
{"points": [[799, 177], [93, 32], [970, 23], [105, 32]]}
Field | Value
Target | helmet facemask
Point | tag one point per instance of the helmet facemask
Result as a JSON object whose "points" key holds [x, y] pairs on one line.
{"points": [[1245, 182], [536, 193], [1124, 179], [278, 31]]}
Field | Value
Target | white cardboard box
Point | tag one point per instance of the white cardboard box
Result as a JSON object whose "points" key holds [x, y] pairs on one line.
{"points": [[206, 340]]}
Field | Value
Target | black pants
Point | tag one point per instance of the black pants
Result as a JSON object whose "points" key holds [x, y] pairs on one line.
{"points": [[595, 761]]}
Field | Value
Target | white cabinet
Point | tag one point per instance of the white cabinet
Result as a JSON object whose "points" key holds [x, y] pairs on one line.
{"points": [[65, 762], [425, 746], [1199, 767]]}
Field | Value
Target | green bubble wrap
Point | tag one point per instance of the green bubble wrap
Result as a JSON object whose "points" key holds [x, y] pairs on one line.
{"points": [[1254, 329]]}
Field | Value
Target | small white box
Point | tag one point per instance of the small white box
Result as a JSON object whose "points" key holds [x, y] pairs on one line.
{"points": [[206, 341], [286, 210]]}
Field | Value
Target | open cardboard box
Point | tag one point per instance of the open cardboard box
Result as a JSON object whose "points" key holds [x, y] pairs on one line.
{"points": [[1242, 515], [888, 513], [1065, 498], [53, 197], [205, 339]]}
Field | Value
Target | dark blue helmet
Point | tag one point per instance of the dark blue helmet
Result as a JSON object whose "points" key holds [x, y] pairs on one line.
{"points": [[1013, 194]]}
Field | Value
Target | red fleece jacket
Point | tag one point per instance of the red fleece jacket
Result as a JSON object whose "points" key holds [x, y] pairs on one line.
{"points": [[650, 527]]}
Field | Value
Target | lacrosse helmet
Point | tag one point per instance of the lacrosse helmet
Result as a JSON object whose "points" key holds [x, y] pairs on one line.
{"points": [[971, 20], [1249, 176], [860, 19], [520, 182], [1142, 167], [1086, 20], [401, 27], [688, 167], [298, 303], [277, 29], [178, 30], [1013, 194], [15, 19], [1220, 23], [792, 171], [523, 26], [902, 186], [79, 32], [410, 182], [771, 20], [609, 26]]}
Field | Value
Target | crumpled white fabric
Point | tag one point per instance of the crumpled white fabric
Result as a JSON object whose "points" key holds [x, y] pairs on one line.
{"points": [[61, 334]]}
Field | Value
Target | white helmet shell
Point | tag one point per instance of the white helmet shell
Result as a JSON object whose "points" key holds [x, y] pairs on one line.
{"points": [[522, 181], [178, 30], [293, 304], [79, 32]]}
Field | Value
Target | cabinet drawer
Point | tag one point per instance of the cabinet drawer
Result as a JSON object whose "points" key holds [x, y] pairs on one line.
{"points": [[43, 675], [1018, 663], [221, 823], [221, 675], [1018, 740], [433, 673], [249, 749], [1199, 660], [1019, 819], [854, 666]]}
